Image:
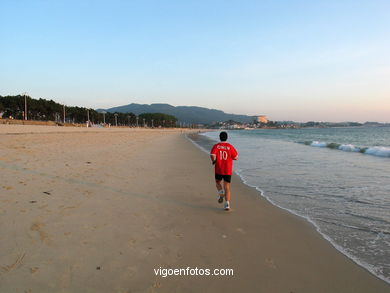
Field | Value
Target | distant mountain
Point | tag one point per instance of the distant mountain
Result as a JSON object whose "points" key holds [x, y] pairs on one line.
{"points": [[187, 114]]}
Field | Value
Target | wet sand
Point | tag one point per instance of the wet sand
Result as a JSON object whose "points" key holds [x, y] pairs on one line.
{"points": [[97, 210]]}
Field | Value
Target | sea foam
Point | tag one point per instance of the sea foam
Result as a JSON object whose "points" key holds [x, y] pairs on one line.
{"points": [[374, 151], [378, 151]]}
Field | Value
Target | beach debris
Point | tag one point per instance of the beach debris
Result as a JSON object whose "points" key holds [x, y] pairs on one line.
{"points": [[33, 201], [88, 162], [98, 268], [33, 270], [224, 236], [47, 192]]}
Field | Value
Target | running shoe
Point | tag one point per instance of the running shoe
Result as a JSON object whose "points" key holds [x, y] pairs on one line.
{"points": [[221, 195], [227, 206]]}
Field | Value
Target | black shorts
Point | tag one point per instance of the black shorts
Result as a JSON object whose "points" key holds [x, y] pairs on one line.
{"points": [[226, 178]]}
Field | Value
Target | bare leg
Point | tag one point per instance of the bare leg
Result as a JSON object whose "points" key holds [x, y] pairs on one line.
{"points": [[226, 185], [218, 184]]}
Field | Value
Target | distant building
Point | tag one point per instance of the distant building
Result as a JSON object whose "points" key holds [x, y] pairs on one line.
{"points": [[262, 119]]}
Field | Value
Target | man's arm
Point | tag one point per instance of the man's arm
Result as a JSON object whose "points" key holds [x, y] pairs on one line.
{"points": [[213, 158], [213, 155]]}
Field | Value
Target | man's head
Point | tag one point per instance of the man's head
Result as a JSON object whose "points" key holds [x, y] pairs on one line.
{"points": [[223, 136]]}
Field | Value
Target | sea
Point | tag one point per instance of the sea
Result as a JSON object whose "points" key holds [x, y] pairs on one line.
{"points": [[336, 178]]}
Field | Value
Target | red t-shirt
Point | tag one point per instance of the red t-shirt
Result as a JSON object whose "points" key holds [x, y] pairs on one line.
{"points": [[225, 154]]}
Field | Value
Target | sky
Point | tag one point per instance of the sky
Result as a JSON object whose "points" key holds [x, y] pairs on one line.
{"points": [[289, 60]]}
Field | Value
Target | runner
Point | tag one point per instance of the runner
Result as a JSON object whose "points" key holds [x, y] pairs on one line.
{"points": [[222, 155]]}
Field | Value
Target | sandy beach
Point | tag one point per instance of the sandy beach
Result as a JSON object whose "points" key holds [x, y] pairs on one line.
{"points": [[99, 210]]}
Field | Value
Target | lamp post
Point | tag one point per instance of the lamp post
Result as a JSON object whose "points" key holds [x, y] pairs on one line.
{"points": [[116, 119], [152, 123], [128, 119], [25, 105], [87, 117], [144, 122], [64, 113]]}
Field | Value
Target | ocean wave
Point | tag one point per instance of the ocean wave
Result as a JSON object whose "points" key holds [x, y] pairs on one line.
{"points": [[374, 151]]}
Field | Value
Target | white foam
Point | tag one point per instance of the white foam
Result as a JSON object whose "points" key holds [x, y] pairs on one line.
{"points": [[348, 148], [378, 151], [320, 144], [374, 151]]}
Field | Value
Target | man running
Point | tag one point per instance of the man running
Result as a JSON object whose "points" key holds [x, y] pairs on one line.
{"points": [[222, 155]]}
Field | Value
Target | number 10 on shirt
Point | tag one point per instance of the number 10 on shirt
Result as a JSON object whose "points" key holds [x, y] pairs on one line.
{"points": [[223, 155]]}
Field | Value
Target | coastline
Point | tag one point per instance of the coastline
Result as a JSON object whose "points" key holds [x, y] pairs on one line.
{"points": [[206, 141], [133, 201], [203, 143]]}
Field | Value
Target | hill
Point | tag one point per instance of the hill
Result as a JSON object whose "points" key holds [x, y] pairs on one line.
{"points": [[187, 114]]}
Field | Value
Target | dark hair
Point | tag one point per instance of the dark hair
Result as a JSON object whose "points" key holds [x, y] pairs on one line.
{"points": [[223, 136]]}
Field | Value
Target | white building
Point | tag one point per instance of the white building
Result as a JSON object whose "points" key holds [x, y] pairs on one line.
{"points": [[262, 119]]}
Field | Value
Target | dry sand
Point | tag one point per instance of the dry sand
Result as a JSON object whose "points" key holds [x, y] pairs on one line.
{"points": [[97, 210]]}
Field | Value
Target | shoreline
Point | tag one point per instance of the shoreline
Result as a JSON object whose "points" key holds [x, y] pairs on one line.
{"points": [[88, 212], [261, 193], [340, 249], [312, 225]]}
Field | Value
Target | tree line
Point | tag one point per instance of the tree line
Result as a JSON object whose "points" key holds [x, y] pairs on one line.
{"points": [[13, 107]]}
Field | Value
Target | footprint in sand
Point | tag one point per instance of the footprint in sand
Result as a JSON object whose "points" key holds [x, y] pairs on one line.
{"points": [[131, 271], [241, 230], [43, 236], [132, 242], [270, 263], [87, 193], [17, 263]]}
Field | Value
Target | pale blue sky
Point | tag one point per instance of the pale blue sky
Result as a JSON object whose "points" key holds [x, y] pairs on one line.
{"points": [[290, 60]]}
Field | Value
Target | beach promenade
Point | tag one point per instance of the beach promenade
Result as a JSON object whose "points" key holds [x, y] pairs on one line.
{"points": [[100, 210]]}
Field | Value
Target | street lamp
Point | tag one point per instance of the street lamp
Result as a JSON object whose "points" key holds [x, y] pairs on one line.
{"points": [[144, 122], [152, 123], [25, 105], [116, 119]]}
